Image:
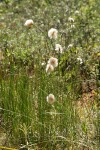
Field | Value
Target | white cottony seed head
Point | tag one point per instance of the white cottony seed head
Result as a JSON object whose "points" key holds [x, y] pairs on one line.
{"points": [[53, 61], [58, 48], [49, 68], [53, 33], [71, 19], [50, 98], [29, 23]]}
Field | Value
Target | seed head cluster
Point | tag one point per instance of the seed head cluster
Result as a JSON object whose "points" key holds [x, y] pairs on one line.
{"points": [[50, 98], [70, 19], [53, 33], [58, 48], [52, 62], [29, 23], [49, 68]]}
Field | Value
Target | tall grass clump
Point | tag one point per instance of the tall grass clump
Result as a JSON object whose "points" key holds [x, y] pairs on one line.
{"points": [[49, 74]]}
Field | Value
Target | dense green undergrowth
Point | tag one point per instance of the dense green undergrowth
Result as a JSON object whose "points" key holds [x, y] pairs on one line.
{"points": [[26, 116]]}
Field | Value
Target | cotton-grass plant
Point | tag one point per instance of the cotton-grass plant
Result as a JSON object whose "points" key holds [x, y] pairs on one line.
{"points": [[28, 23], [49, 68], [70, 19], [26, 101], [53, 33], [53, 61], [58, 48], [50, 99]]}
